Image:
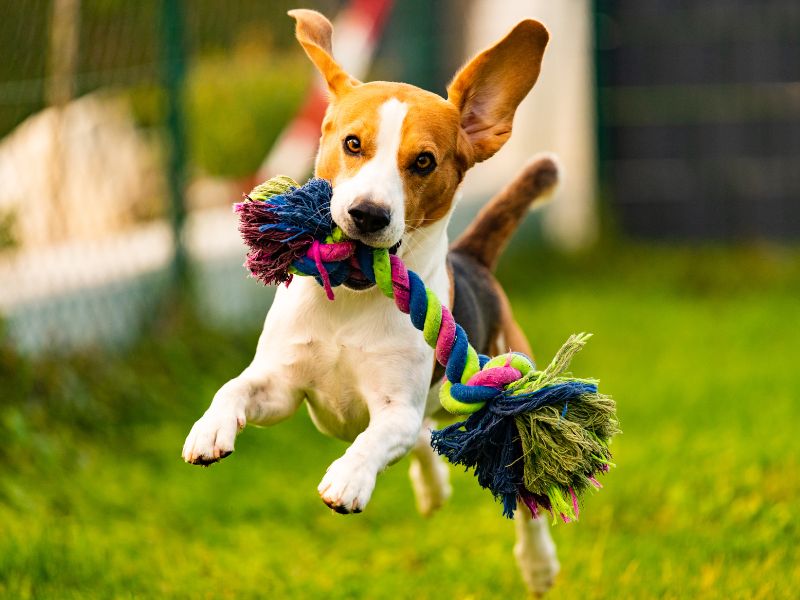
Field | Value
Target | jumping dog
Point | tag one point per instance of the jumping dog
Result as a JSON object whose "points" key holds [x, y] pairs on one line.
{"points": [[395, 155]]}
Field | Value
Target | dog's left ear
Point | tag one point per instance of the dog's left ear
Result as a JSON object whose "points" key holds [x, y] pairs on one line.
{"points": [[488, 90], [314, 32]]}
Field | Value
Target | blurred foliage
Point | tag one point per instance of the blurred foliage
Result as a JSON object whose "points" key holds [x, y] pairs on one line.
{"points": [[698, 346], [100, 391], [119, 47], [237, 108], [8, 219], [23, 31]]}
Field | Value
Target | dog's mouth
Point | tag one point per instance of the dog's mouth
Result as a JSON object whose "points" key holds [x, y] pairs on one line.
{"points": [[356, 280]]}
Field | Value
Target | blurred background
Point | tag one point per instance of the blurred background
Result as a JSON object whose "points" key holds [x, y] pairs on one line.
{"points": [[127, 130]]}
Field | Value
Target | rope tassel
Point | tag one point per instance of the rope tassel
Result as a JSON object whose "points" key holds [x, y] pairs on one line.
{"points": [[537, 438]]}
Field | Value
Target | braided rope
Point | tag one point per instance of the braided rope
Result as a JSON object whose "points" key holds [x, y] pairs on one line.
{"points": [[471, 379]]}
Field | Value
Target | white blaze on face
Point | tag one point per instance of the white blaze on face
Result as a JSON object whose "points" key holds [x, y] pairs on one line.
{"points": [[378, 180]]}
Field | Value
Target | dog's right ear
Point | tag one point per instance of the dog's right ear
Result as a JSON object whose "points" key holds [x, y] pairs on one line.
{"points": [[314, 33]]}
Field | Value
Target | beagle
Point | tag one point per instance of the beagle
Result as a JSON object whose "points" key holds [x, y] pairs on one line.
{"points": [[395, 156]]}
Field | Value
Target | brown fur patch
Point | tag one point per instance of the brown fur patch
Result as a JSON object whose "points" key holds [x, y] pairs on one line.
{"points": [[431, 125], [509, 332]]}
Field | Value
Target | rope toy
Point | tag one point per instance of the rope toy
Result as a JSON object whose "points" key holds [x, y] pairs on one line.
{"points": [[533, 437]]}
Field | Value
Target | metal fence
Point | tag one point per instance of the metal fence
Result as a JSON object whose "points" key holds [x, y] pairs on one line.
{"points": [[113, 125], [127, 129], [700, 117]]}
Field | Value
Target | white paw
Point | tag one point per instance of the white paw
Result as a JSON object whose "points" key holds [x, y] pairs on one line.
{"points": [[212, 437], [431, 483], [347, 485], [539, 569]]}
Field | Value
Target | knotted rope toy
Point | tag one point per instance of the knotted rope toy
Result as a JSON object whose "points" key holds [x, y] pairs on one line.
{"points": [[535, 437]]}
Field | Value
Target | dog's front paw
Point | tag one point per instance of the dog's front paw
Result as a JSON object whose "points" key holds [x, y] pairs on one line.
{"points": [[212, 437], [347, 485]]}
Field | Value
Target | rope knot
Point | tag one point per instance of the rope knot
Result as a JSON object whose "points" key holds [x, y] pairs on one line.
{"points": [[329, 258], [486, 384]]}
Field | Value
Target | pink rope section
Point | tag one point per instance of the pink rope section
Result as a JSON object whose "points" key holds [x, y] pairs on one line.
{"points": [[447, 336], [497, 377], [336, 251], [575, 506], [323, 273], [321, 253], [402, 293]]}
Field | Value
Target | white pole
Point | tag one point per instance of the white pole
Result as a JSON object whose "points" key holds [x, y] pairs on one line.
{"points": [[59, 91], [558, 115]]}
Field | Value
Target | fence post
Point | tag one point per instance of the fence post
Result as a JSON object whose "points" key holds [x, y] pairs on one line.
{"points": [[173, 64], [60, 90], [418, 43]]}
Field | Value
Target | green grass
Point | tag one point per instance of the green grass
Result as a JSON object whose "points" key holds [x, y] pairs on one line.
{"points": [[699, 347]]}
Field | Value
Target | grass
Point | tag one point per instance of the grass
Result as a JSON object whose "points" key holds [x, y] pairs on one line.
{"points": [[699, 347]]}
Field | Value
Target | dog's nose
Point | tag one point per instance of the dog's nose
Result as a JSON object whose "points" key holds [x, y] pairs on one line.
{"points": [[368, 217]]}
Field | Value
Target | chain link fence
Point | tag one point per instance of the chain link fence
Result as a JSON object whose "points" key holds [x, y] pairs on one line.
{"points": [[700, 117], [126, 131], [128, 128]]}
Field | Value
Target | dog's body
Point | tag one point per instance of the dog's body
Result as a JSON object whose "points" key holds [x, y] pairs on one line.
{"points": [[395, 156]]}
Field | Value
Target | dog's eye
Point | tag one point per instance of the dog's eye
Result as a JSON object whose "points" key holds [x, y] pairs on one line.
{"points": [[425, 163], [352, 145]]}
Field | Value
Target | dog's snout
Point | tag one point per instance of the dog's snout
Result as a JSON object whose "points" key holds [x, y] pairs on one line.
{"points": [[369, 217]]}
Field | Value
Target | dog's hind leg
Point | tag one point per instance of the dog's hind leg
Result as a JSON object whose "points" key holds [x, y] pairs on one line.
{"points": [[535, 551], [430, 477]]}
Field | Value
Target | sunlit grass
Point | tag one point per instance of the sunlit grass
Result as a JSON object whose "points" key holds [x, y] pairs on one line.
{"points": [[700, 349]]}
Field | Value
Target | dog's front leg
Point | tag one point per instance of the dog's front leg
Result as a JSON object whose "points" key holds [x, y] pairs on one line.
{"points": [[392, 431], [253, 397], [261, 395]]}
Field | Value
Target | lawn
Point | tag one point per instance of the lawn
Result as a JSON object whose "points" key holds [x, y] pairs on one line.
{"points": [[698, 346]]}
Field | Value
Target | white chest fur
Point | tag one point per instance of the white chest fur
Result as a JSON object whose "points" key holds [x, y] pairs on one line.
{"points": [[347, 356], [332, 352]]}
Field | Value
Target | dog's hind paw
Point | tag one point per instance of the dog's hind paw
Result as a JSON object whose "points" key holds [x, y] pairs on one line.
{"points": [[538, 570], [211, 438], [347, 486], [431, 484]]}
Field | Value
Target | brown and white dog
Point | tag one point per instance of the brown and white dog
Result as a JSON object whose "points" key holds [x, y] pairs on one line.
{"points": [[395, 155]]}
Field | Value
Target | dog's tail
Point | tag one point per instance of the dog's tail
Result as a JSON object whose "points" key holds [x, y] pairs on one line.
{"points": [[487, 235]]}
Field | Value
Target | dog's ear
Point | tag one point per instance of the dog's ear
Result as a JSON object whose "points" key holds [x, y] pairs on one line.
{"points": [[314, 33], [489, 88]]}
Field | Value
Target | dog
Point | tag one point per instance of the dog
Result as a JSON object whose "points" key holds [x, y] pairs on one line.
{"points": [[395, 156]]}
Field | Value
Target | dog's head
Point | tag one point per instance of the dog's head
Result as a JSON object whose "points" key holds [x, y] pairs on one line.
{"points": [[395, 153]]}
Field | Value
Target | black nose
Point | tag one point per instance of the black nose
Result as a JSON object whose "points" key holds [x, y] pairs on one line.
{"points": [[368, 217]]}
